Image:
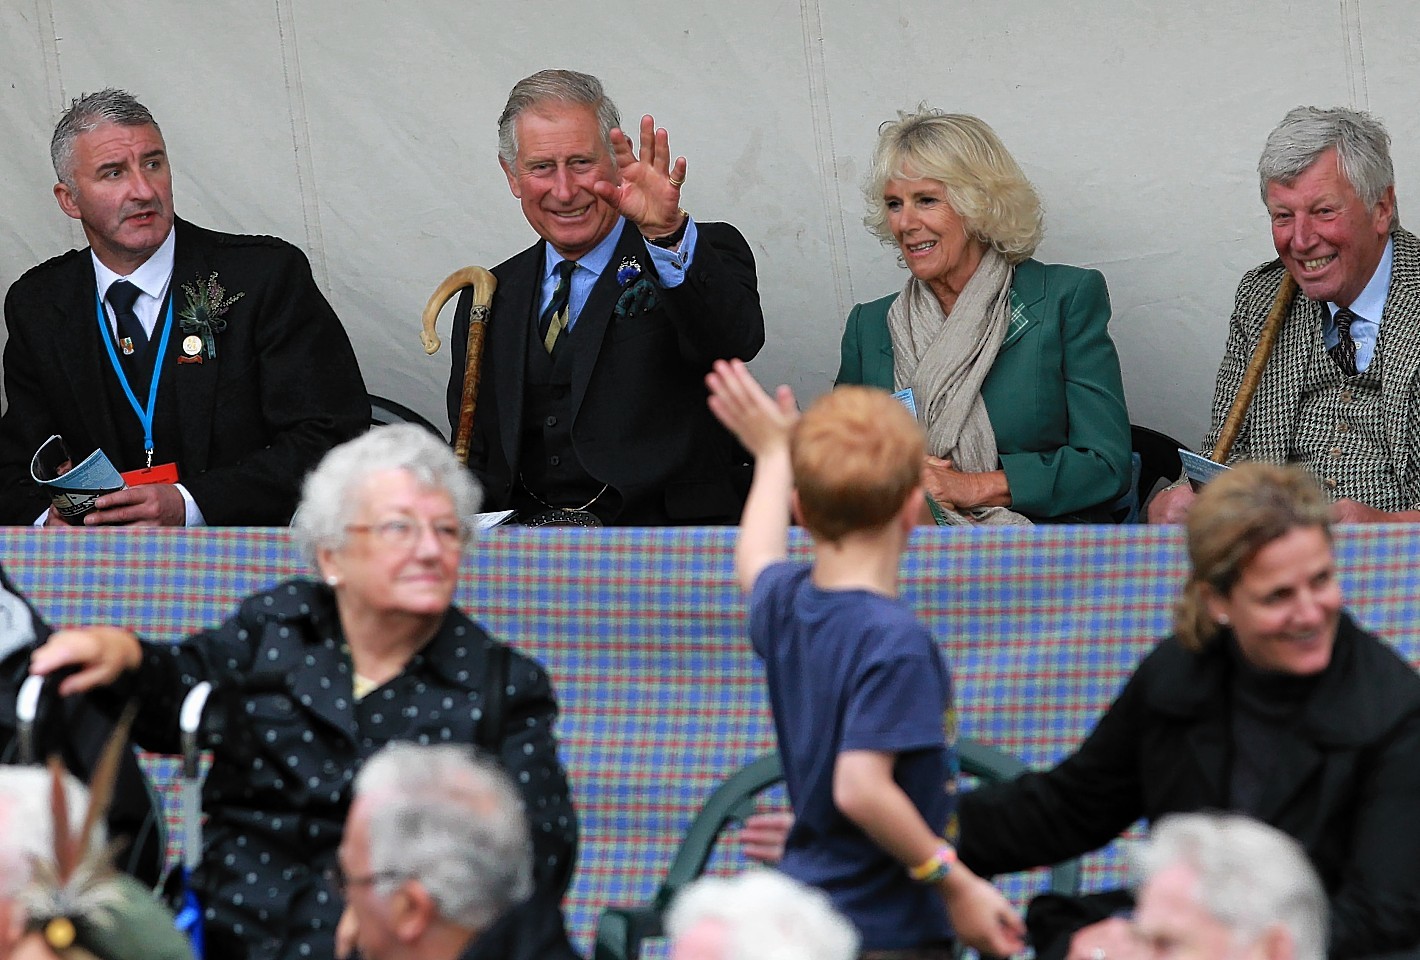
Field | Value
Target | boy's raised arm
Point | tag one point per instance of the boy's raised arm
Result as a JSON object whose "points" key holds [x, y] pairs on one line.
{"points": [[762, 423]]}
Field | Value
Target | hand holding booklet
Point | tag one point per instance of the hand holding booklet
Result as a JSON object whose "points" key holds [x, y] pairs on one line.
{"points": [[73, 489], [1198, 469]]}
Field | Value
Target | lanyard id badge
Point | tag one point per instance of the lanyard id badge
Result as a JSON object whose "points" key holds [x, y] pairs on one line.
{"points": [[149, 474]]}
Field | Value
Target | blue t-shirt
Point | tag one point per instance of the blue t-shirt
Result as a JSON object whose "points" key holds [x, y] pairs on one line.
{"points": [[855, 670]]}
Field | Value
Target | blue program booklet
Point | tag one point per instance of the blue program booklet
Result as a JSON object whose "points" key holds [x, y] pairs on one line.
{"points": [[1200, 469], [73, 488]]}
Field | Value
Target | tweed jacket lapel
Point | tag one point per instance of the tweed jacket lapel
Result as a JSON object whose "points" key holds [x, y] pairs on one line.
{"points": [[1279, 394], [1273, 417], [1400, 358]]}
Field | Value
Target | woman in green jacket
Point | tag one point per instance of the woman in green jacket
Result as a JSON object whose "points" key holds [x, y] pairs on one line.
{"points": [[1007, 361]]}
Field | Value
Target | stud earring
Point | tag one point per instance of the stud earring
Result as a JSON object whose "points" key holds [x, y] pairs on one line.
{"points": [[332, 581], [1223, 620]]}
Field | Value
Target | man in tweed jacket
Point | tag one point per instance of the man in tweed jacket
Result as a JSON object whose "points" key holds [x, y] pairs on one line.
{"points": [[1341, 392]]}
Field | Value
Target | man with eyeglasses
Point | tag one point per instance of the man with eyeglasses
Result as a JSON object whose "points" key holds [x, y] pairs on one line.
{"points": [[435, 850]]}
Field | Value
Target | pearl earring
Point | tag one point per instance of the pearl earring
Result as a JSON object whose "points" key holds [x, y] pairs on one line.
{"points": [[332, 581], [1223, 620]]}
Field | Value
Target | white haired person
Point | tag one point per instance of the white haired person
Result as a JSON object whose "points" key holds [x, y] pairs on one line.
{"points": [[62, 897], [436, 849], [758, 915], [322, 673], [1215, 886]]}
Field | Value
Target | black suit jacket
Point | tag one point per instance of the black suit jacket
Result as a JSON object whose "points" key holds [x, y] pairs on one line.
{"points": [[283, 388], [1346, 785], [638, 384]]}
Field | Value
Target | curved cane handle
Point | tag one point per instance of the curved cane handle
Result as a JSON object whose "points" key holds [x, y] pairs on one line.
{"points": [[483, 283]]}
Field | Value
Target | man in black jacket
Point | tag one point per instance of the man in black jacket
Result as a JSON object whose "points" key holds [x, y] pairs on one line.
{"points": [[207, 366], [592, 389]]}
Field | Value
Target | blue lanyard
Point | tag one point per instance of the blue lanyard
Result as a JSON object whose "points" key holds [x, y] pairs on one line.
{"points": [[145, 416]]}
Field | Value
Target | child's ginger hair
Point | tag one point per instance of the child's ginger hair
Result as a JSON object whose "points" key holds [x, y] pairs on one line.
{"points": [[857, 455]]}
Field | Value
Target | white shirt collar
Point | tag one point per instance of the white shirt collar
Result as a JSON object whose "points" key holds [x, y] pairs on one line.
{"points": [[152, 277]]}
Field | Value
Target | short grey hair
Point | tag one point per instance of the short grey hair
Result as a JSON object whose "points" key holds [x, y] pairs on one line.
{"points": [[553, 86], [1362, 148], [1251, 877], [27, 822], [329, 496], [767, 916], [90, 112], [451, 819], [984, 184]]}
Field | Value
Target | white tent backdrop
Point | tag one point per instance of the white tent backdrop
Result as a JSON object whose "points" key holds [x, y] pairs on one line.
{"points": [[363, 131]]}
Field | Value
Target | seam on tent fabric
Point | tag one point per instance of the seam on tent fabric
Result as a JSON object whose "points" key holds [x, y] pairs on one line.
{"points": [[811, 19], [1355, 54], [48, 32], [301, 143]]}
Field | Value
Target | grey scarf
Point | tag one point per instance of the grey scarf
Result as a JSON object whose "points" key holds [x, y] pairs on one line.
{"points": [[945, 359]]}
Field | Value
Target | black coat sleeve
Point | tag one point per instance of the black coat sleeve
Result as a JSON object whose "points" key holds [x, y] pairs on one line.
{"points": [[1086, 801]]}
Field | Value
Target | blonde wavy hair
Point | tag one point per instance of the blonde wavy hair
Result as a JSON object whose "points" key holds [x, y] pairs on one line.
{"points": [[983, 182]]}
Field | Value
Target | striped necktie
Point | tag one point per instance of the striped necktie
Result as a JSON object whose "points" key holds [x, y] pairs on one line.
{"points": [[554, 319]]}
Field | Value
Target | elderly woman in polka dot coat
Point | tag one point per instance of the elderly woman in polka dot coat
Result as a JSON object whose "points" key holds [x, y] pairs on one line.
{"points": [[316, 676]]}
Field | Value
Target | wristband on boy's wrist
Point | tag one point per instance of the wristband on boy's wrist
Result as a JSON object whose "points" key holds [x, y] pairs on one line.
{"points": [[936, 867]]}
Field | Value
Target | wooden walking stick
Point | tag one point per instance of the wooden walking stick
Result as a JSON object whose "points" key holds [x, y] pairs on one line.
{"points": [[1252, 376], [483, 283]]}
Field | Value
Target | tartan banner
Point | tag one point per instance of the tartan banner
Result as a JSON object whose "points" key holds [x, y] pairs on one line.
{"points": [[643, 633]]}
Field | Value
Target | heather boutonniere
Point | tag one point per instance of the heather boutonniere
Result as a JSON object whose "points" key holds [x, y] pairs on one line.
{"points": [[207, 301]]}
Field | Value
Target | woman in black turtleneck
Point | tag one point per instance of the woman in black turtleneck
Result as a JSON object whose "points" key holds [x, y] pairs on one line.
{"points": [[1269, 700]]}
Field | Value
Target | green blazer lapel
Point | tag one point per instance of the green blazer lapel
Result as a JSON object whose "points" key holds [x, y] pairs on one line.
{"points": [[1027, 292], [192, 387]]}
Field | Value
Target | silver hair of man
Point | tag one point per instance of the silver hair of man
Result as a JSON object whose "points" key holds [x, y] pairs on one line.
{"points": [[451, 819], [1251, 877], [27, 822], [553, 86], [1362, 148], [767, 916], [331, 493], [90, 112]]}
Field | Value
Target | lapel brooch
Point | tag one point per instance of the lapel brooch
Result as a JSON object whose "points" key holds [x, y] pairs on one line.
{"points": [[629, 270], [638, 292], [207, 301]]}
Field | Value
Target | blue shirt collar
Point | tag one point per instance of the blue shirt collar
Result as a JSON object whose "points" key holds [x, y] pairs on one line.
{"points": [[1371, 302], [595, 259]]}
